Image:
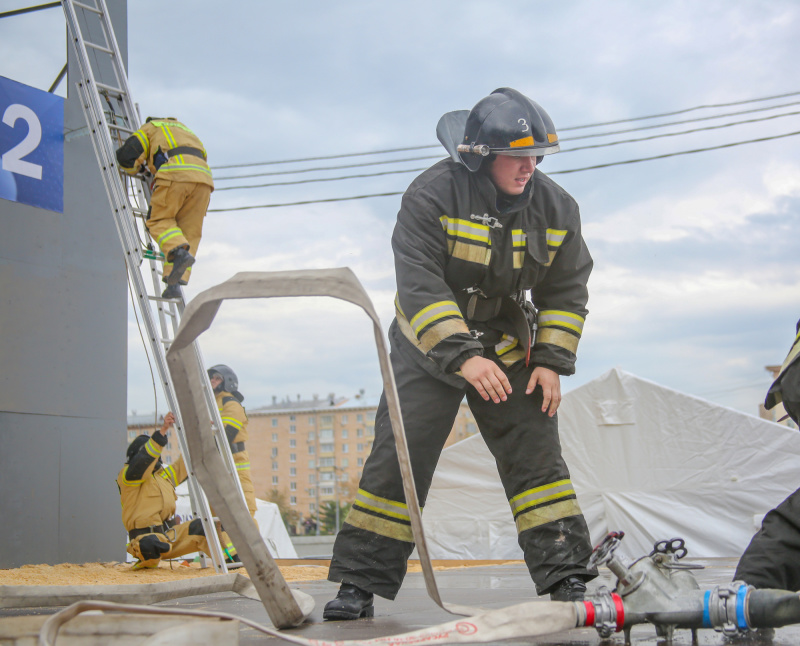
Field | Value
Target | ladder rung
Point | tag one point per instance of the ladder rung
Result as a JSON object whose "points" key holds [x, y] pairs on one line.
{"points": [[87, 7], [113, 126], [110, 88], [101, 48]]}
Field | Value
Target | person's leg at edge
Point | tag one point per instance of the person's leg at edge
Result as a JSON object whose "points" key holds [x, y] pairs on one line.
{"points": [[551, 529], [371, 551]]}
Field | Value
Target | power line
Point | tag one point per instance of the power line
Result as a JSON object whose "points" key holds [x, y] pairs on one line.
{"points": [[560, 172], [428, 146], [677, 123], [682, 152], [672, 114], [427, 157]]}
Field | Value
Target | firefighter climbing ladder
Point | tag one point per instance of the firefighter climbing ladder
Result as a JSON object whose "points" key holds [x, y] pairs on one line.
{"points": [[111, 118]]}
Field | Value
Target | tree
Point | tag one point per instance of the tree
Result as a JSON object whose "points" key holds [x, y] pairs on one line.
{"points": [[289, 515], [327, 516]]}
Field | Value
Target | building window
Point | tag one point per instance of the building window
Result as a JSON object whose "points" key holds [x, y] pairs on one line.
{"points": [[292, 486], [326, 448], [292, 444], [293, 457], [274, 451], [344, 419], [275, 480], [326, 420], [311, 421], [326, 434], [311, 436], [292, 428], [312, 464], [360, 463], [292, 471], [291, 418], [360, 432], [344, 448], [370, 431], [311, 449], [326, 491], [326, 462], [274, 466], [344, 433], [344, 462], [311, 480], [274, 421], [312, 507], [359, 418], [359, 447], [292, 500], [274, 437]]}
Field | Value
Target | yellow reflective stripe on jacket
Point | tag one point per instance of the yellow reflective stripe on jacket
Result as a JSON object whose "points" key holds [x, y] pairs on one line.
{"points": [[555, 237], [144, 141], [541, 495], [131, 483], [153, 449], [507, 344], [466, 240], [168, 473], [178, 162], [232, 421], [169, 166], [432, 313], [558, 318]]}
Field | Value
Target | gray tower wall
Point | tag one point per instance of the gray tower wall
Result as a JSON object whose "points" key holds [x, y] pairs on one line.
{"points": [[63, 336]]}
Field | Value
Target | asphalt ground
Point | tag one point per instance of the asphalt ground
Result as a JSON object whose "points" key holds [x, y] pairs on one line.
{"points": [[490, 586]]}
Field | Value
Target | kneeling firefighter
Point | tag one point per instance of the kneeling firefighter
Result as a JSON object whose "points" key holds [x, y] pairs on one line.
{"points": [[147, 493]]}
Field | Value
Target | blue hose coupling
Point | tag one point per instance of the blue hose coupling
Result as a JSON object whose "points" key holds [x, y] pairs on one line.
{"points": [[725, 608]]}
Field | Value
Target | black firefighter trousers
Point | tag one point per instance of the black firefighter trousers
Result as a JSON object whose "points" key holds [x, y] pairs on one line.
{"points": [[373, 546], [772, 560]]}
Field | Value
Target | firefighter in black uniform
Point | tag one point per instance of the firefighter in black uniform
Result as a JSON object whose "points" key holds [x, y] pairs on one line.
{"points": [[474, 234], [772, 560]]}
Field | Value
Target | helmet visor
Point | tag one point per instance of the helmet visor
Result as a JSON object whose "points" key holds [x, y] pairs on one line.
{"points": [[535, 151]]}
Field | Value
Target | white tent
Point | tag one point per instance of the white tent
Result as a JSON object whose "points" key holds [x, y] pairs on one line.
{"points": [[644, 459], [269, 520]]}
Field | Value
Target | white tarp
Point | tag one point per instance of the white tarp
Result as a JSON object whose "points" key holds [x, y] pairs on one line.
{"points": [[269, 520], [644, 459]]}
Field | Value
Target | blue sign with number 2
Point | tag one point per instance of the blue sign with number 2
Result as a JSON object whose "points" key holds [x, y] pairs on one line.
{"points": [[31, 146]]}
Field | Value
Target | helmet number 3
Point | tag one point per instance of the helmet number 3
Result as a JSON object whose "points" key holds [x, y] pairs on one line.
{"points": [[524, 125]]}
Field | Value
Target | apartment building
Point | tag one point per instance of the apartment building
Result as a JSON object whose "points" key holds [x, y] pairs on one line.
{"points": [[309, 451]]}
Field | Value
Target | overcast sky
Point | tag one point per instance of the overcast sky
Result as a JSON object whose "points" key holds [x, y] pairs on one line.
{"points": [[696, 273]]}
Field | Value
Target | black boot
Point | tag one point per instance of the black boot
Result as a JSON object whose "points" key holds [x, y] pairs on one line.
{"points": [[571, 588], [172, 291], [181, 260], [350, 603]]}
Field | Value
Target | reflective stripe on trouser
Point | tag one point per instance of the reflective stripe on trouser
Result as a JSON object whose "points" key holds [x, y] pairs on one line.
{"points": [[372, 548], [184, 543], [176, 217]]}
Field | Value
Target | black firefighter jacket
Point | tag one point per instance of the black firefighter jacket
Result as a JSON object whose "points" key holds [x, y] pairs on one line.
{"points": [[451, 237]]}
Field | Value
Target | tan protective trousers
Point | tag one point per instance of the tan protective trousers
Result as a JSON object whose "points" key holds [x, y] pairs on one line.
{"points": [[177, 210], [180, 541]]}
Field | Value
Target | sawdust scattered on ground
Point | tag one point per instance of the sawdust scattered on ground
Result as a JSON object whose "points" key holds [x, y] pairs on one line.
{"points": [[115, 573]]}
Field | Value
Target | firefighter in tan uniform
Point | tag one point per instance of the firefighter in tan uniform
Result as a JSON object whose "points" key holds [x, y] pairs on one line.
{"points": [[147, 493], [234, 420], [171, 152]]}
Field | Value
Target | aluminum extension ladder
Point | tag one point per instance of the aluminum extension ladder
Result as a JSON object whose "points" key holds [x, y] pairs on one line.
{"points": [[111, 117]]}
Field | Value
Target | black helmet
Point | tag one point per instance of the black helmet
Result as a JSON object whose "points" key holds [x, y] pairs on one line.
{"points": [[230, 382], [509, 123], [133, 447]]}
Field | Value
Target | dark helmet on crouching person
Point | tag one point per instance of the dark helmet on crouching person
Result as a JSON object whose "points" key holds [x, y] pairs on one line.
{"points": [[230, 382], [507, 123], [133, 447]]}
